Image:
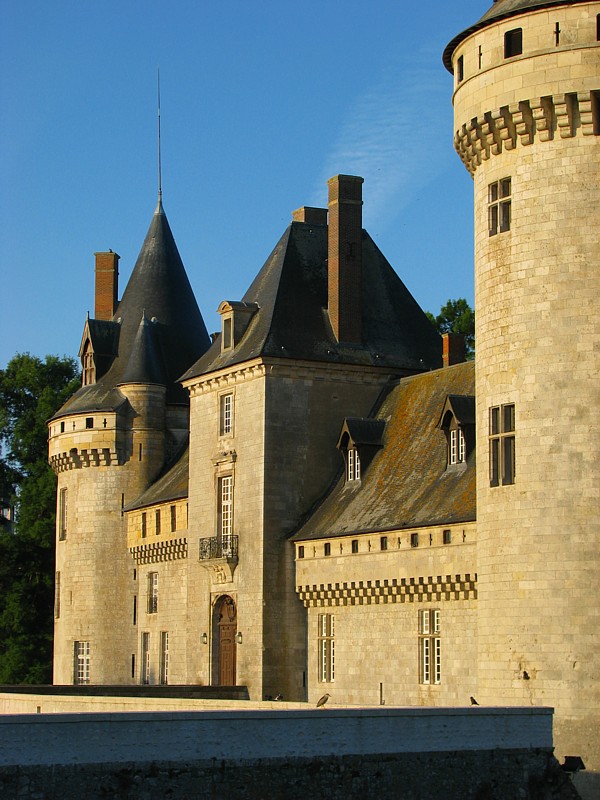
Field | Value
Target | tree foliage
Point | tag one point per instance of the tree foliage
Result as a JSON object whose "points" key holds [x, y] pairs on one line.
{"points": [[457, 316], [31, 391]]}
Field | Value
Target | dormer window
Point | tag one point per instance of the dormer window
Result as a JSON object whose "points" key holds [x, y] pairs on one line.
{"points": [[457, 422], [353, 463], [235, 319]]}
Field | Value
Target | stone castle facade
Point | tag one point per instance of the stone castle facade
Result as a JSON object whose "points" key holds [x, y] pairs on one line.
{"points": [[326, 497]]}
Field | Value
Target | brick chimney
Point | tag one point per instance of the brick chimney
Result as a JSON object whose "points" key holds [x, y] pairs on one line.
{"points": [[453, 349], [345, 257], [107, 284]]}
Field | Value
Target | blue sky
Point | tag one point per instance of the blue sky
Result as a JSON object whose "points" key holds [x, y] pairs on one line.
{"points": [[261, 103]]}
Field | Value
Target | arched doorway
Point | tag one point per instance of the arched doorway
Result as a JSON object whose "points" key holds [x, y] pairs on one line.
{"points": [[224, 635]]}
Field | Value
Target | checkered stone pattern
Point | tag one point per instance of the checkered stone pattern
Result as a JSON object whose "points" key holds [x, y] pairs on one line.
{"points": [[397, 590], [160, 551]]}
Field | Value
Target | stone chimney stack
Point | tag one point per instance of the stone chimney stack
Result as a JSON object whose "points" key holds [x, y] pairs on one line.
{"points": [[345, 257], [453, 349], [107, 284]]}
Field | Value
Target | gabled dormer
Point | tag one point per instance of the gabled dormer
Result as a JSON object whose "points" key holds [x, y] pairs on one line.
{"points": [[99, 346], [457, 421], [235, 319], [358, 442]]}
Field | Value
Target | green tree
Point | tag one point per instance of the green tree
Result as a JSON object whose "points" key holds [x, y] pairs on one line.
{"points": [[456, 316], [31, 391]]}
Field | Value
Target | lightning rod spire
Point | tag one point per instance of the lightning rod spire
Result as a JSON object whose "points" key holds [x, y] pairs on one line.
{"points": [[159, 153]]}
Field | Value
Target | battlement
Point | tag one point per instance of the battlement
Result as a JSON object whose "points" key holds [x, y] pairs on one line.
{"points": [[84, 440], [522, 123]]}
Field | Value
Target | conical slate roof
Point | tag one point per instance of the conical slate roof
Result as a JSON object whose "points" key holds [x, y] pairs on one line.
{"points": [[158, 326], [501, 10]]}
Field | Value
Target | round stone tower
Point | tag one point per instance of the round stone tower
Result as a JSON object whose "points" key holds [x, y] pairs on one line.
{"points": [[527, 128]]}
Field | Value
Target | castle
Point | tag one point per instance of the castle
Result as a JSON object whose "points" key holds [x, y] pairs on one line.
{"points": [[327, 497]]}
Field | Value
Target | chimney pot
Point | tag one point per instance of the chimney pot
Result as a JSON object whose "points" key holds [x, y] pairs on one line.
{"points": [[314, 216]]}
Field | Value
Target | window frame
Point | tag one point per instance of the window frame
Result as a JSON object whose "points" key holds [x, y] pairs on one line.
{"points": [[225, 507], [81, 663], [145, 659], [62, 514], [152, 604], [499, 203], [326, 648], [226, 414], [430, 647], [353, 464], [164, 658], [502, 450], [513, 43]]}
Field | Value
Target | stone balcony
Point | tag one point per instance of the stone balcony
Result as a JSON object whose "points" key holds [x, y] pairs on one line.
{"points": [[219, 555]]}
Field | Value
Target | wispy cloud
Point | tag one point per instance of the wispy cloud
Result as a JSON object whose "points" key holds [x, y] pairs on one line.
{"points": [[394, 136]]}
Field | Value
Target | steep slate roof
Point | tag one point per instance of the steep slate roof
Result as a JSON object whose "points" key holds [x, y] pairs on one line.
{"points": [[160, 328], [292, 320], [501, 9], [407, 484], [172, 485]]}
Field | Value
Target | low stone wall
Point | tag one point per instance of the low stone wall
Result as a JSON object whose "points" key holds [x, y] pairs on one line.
{"points": [[416, 754]]}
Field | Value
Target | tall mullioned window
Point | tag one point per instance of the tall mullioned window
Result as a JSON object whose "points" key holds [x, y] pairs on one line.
{"points": [[152, 592], [499, 206], [225, 414], [164, 657], [430, 648], [326, 648], [145, 666], [502, 445], [81, 670], [456, 446]]}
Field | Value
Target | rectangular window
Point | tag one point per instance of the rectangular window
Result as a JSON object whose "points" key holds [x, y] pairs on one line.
{"points": [[414, 540], [144, 528], [81, 672], [225, 414], [173, 518], [513, 43], [157, 522], [57, 596], [152, 592], [499, 206], [327, 549], [447, 537], [383, 543], [62, 514], [502, 445], [164, 658], [135, 609], [301, 551], [145, 674], [326, 648], [460, 69], [355, 545], [430, 650], [227, 333], [225, 510], [353, 464], [89, 422]]}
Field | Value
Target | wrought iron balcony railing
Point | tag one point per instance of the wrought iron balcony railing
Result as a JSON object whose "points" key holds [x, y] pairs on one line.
{"points": [[219, 547]]}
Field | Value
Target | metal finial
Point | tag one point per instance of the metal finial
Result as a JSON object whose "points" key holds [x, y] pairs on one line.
{"points": [[159, 153]]}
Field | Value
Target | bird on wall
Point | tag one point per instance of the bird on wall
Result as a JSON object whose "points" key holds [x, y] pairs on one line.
{"points": [[279, 697], [322, 700], [474, 702]]}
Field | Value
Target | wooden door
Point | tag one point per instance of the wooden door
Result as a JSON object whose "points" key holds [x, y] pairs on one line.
{"points": [[227, 626]]}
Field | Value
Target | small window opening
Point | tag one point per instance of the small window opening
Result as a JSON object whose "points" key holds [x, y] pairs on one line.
{"points": [[502, 445], [62, 427], [353, 464], [89, 422], [327, 549], [301, 551], [133, 665], [513, 43], [383, 543], [557, 34], [355, 545], [460, 69], [144, 528], [157, 522], [173, 518], [414, 540], [447, 536], [227, 333], [499, 206], [480, 56]]}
